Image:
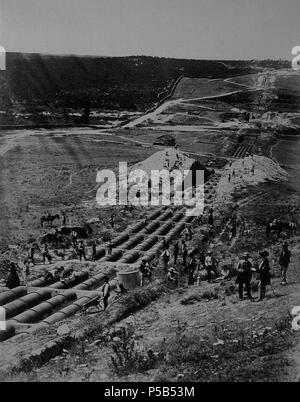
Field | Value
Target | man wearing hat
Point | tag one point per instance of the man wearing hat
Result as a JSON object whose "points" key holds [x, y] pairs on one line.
{"points": [[210, 265], [244, 276], [284, 260], [264, 273], [145, 271], [172, 276], [106, 291]]}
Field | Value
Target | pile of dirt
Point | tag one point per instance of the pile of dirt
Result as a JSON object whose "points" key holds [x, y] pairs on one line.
{"points": [[248, 171], [159, 160]]}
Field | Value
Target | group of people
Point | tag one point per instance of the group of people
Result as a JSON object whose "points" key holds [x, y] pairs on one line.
{"points": [[190, 264], [67, 277], [246, 270], [193, 266]]}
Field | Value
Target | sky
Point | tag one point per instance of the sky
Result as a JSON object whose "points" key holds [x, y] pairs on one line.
{"points": [[193, 29]]}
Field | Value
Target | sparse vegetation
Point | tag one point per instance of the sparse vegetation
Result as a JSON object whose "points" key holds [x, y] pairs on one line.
{"points": [[206, 295], [127, 358]]}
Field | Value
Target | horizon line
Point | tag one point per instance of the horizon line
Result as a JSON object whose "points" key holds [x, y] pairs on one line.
{"points": [[139, 55]]}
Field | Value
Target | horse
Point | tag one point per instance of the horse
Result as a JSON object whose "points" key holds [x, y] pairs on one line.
{"points": [[49, 218]]}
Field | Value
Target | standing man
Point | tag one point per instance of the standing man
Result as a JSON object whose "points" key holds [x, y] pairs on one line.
{"points": [[106, 292], [242, 227], [284, 260], [145, 271], [186, 233], [13, 280], [31, 253], [244, 276], [63, 217], [46, 254], [264, 273], [192, 268], [172, 276], [24, 265], [199, 220], [74, 238], [184, 253], [166, 258], [112, 221], [81, 251], [94, 251], [210, 265], [175, 251], [190, 232]]}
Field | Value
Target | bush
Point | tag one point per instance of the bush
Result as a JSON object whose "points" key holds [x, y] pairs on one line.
{"points": [[206, 295], [127, 357], [106, 236]]}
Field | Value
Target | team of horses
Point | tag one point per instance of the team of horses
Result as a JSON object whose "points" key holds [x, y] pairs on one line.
{"points": [[278, 226], [49, 218]]}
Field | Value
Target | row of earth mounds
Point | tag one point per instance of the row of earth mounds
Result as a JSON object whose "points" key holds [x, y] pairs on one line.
{"points": [[49, 302], [23, 353]]}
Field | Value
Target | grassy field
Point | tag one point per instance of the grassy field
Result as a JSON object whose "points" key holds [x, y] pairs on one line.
{"points": [[190, 88], [55, 171]]}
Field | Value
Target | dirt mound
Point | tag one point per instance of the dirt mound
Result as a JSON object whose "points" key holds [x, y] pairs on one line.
{"points": [[248, 171], [159, 160]]}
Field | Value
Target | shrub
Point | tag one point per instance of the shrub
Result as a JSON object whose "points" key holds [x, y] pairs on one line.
{"points": [[206, 295], [127, 357]]}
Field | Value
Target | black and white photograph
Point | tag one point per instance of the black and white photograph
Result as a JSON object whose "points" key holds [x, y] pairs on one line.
{"points": [[149, 194]]}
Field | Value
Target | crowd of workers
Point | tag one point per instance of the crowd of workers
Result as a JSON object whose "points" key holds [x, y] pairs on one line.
{"points": [[195, 265]]}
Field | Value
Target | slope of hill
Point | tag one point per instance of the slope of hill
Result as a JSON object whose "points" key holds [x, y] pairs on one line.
{"points": [[34, 83]]}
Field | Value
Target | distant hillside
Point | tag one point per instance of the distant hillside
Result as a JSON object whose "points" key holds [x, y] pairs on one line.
{"points": [[119, 83]]}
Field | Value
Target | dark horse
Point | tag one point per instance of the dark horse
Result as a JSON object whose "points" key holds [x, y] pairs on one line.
{"points": [[49, 218]]}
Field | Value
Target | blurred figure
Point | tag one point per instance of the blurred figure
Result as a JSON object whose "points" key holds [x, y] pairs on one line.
{"points": [[13, 280], [244, 276], [31, 253], [166, 258], [46, 254], [242, 227], [284, 261], [175, 251], [106, 292], [81, 251], [264, 273], [191, 271], [94, 251], [63, 217], [184, 253], [110, 248], [25, 265], [172, 276], [112, 221], [145, 271], [210, 265]]}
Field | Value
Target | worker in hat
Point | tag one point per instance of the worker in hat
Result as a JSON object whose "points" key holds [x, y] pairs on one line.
{"points": [[106, 291], [210, 265], [244, 276], [264, 273], [145, 271], [284, 261], [172, 276]]}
